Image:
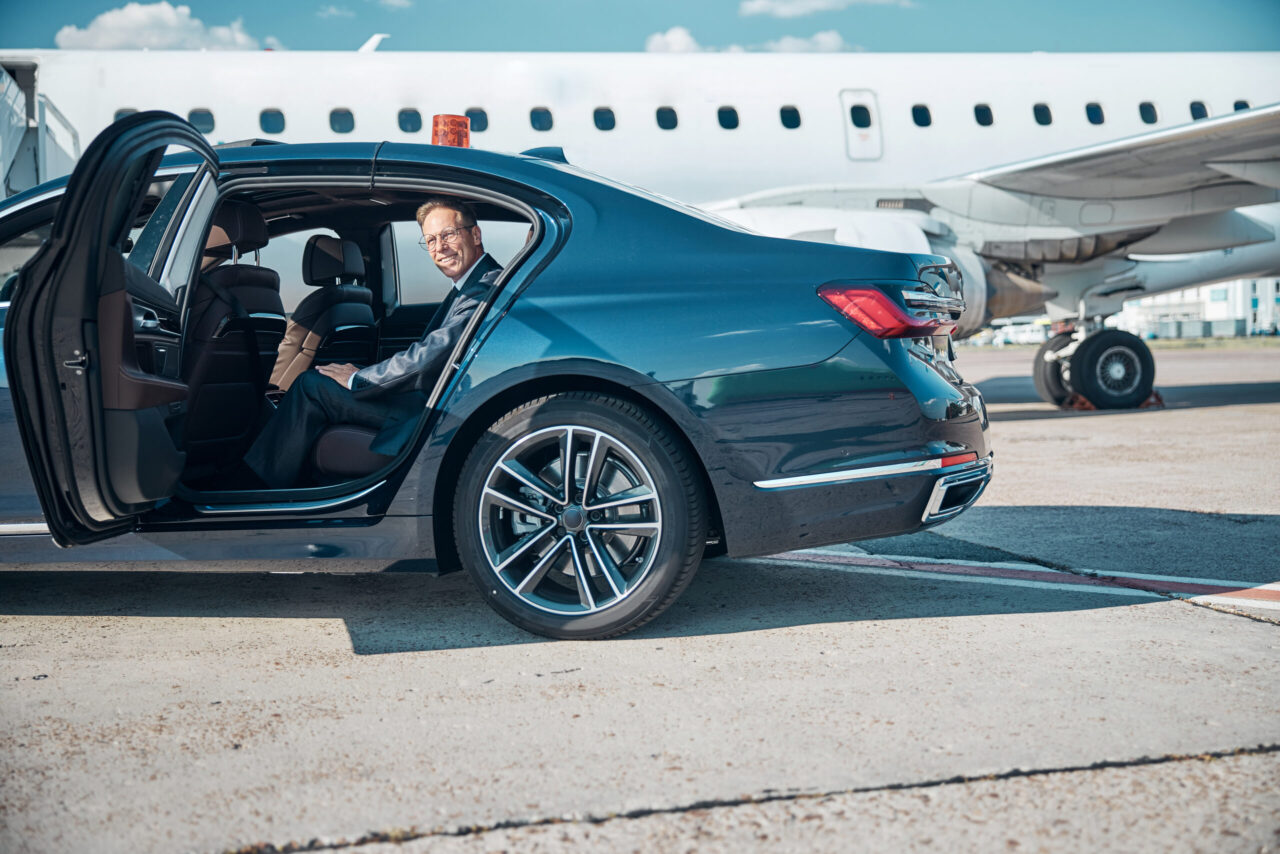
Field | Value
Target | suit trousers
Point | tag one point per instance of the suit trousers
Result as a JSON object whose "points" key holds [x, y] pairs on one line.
{"points": [[313, 403]]}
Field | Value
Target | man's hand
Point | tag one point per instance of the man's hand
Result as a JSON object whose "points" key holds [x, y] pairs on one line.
{"points": [[341, 374]]}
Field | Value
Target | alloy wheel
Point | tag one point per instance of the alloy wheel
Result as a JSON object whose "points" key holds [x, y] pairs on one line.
{"points": [[570, 519]]}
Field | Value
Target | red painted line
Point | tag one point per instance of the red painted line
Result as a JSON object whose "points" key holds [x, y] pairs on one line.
{"points": [[1043, 575], [1196, 589], [951, 569]]}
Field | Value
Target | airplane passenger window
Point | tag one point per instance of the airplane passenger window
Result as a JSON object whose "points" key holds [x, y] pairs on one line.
{"points": [[479, 119], [341, 121], [667, 119], [790, 117], [1198, 110], [1093, 111], [860, 116], [271, 121], [540, 118], [604, 118], [410, 121], [982, 115], [124, 111], [1043, 114], [728, 118], [1148, 112], [1242, 105], [202, 119], [920, 115]]}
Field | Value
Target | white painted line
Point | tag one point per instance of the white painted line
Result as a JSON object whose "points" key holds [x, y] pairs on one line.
{"points": [[1231, 601], [1035, 567], [973, 579]]}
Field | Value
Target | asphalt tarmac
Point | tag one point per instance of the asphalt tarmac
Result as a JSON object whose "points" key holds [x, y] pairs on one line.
{"points": [[1085, 660]]}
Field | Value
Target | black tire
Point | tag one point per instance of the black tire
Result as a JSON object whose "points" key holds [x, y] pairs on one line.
{"points": [[578, 569], [1047, 376], [1112, 370]]}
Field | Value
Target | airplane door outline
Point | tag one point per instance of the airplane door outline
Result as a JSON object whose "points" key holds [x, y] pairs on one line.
{"points": [[861, 143]]}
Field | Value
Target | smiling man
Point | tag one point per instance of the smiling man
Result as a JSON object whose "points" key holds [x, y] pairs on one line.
{"points": [[390, 395]]}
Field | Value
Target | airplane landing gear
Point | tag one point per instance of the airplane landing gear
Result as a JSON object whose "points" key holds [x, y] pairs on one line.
{"points": [[1109, 368], [1112, 370], [1047, 370]]}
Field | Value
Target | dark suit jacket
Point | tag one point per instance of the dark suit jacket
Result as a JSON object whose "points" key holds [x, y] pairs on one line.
{"points": [[412, 373]]}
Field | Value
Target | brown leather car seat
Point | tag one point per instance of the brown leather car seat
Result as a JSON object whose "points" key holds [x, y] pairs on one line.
{"points": [[235, 310], [333, 324]]}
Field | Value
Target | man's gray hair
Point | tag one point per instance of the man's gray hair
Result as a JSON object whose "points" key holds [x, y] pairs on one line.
{"points": [[466, 211]]}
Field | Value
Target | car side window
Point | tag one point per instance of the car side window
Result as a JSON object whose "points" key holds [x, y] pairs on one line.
{"points": [[162, 203], [15, 252], [284, 255], [421, 282]]}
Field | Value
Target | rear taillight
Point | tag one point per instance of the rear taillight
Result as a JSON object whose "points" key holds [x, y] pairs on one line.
{"points": [[877, 313]]}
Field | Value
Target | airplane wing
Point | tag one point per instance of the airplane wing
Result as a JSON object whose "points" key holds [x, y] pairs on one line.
{"points": [[1241, 146]]}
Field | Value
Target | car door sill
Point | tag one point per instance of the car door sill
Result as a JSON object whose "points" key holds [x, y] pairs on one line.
{"points": [[288, 506], [22, 529]]}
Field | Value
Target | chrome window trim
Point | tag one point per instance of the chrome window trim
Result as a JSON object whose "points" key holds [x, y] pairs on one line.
{"points": [[199, 212], [34, 200]]}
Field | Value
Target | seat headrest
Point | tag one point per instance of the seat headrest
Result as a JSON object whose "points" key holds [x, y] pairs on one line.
{"points": [[237, 224], [330, 261]]}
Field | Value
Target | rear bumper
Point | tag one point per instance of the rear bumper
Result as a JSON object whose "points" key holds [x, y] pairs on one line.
{"points": [[857, 504]]}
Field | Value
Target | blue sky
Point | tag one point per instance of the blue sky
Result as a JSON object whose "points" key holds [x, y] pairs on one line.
{"points": [[872, 25]]}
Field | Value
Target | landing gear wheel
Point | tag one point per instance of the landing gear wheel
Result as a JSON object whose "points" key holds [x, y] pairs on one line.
{"points": [[579, 515], [1112, 370], [1048, 375]]}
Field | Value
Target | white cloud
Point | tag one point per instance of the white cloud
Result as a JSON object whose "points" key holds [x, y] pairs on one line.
{"points": [[674, 40], [800, 8], [332, 11], [680, 40], [396, 4], [827, 41], [157, 26]]}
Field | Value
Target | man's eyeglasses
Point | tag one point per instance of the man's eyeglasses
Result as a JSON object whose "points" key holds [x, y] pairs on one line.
{"points": [[449, 235]]}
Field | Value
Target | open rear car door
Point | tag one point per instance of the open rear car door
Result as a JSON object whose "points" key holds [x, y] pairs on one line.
{"points": [[95, 389]]}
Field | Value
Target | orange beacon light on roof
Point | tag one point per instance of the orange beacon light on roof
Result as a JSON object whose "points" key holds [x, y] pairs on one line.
{"points": [[451, 130]]}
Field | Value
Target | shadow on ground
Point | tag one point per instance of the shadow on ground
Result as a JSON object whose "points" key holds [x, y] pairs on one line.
{"points": [[1020, 389], [395, 611]]}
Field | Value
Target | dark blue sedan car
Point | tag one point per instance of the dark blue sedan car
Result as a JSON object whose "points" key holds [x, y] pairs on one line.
{"points": [[645, 386]]}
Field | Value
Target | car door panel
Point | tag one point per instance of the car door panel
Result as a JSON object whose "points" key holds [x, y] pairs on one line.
{"points": [[94, 419]]}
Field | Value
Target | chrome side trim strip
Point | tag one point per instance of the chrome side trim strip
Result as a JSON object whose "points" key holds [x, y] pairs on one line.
{"points": [[34, 200], [285, 507], [22, 529], [850, 474]]}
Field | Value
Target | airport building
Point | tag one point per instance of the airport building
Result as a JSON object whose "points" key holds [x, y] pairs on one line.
{"points": [[1222, 310]]}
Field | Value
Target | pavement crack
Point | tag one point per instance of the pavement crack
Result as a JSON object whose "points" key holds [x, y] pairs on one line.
{"points": [[413, 832]]}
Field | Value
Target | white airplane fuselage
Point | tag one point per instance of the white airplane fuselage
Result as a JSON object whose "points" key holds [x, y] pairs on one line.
{"points": [[699, 160]]}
